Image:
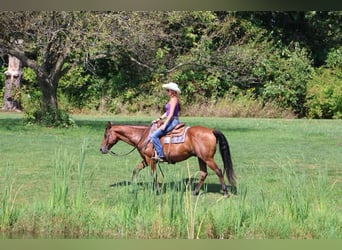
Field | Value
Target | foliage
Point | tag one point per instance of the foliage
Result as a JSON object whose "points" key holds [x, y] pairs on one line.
{"points": [[323, 34], [31, 99], [324, 98], [52, 42], [287, 72], [334, 58], [75, 86], [51, 117], [2, 82], [118, 64]]}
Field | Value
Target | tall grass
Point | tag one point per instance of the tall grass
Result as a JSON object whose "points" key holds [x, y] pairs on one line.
{"points": [[9, 212], [295, 212], [190, 210], [88, 195], [242, 106], [81, 197], [60, 189], [65, 171]]}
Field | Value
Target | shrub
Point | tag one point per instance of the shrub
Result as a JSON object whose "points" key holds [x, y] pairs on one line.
{"points": [[51, 117], [287, 73], [2, 83], [324, 97], [334, 59]]}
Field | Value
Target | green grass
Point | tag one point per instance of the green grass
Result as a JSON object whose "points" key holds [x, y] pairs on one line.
{"points": [[54, 183]]}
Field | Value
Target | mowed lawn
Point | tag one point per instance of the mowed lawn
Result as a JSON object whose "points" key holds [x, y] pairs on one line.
{"points": [[56, 183]]}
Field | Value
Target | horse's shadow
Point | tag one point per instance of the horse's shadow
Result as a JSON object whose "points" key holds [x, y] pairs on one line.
{"points": [[175, 186]]}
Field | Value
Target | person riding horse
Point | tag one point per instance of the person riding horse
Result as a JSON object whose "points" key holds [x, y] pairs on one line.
{"points": [[171, 119], [199, 141]]}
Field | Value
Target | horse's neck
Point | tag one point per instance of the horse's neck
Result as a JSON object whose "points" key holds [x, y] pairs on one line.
{"points": [[131, 134]]}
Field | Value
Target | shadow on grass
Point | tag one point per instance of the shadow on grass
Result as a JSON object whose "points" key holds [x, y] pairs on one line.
{"points": [[11, 121], [179, 186], [101, 125], [14, 121]]}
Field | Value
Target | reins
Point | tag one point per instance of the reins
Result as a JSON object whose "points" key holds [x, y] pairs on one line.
{"points": [[115, 154], [160, 169]]}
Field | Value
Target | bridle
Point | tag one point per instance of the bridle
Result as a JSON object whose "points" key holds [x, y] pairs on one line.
{"points": [[135, 147], [115, 154]]}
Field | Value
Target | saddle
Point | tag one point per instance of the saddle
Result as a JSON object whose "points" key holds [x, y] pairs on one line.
{"points": [[178, 130], [176, 135]]}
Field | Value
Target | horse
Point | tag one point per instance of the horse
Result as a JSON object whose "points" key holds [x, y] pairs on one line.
{"points": [[200, 142]]}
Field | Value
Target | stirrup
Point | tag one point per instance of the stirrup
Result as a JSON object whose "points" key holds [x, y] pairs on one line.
{"points": [[159, 159]]}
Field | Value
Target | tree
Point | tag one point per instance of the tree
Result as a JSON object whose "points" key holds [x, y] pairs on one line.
{"points": [[121, 57], [53, 43], [317, 31]]}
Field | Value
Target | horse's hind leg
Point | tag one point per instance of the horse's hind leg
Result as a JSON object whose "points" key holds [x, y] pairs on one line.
{"points": [[212, 164], [204, 173]]}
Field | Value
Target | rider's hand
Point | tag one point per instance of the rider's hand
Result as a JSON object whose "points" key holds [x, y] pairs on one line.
{"points": [[156, 120], [162, 127]]}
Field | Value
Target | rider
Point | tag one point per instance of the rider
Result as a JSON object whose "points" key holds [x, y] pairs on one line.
{"points": [[170, 116]]}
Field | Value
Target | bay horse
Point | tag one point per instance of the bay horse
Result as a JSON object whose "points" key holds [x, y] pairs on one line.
{"points": [[199, 141]]}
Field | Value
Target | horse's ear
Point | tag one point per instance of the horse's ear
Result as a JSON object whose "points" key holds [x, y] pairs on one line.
{"points": [[109, 125]]}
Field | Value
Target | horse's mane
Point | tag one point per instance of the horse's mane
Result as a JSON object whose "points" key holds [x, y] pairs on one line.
{"points": [[139, 126]]}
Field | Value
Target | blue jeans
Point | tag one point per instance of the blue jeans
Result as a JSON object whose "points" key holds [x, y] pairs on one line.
{"points": [[155, 136]]}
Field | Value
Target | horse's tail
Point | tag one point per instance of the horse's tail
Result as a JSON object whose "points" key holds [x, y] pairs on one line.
{"points": [[225, 153]]}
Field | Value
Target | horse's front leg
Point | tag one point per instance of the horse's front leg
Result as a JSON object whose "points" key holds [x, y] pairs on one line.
{"points": [[153, 166], [137, 170]]}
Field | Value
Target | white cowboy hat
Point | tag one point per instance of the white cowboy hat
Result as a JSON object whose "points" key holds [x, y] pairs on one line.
{"points": [[173, 86]]}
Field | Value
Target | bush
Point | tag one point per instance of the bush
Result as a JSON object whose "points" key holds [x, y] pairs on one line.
{"points": [[287, 73], [2, 83], [334, 59], [51, 117], [324, 97], [31, 101]]}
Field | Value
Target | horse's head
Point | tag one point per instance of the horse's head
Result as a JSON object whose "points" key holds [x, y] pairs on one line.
{"points": [[109, 140]]}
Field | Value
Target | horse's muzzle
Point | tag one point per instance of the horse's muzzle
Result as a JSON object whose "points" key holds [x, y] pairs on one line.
{"points": [[104, 150]]}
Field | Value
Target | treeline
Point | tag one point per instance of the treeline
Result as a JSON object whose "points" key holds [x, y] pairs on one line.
{"points": [[269, 64]]}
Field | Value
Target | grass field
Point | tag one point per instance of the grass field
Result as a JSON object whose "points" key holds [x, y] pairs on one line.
{"points": [[54, 183]]}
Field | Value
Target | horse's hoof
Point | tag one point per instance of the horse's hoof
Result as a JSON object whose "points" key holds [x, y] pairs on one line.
{"points": [[226, 195]]}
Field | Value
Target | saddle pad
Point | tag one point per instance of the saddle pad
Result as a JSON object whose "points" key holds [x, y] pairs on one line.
{"points": [[176, 139]]}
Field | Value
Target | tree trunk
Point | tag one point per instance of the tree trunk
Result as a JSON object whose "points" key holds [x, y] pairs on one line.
{"points": [[49, 93], [12, 85]]}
